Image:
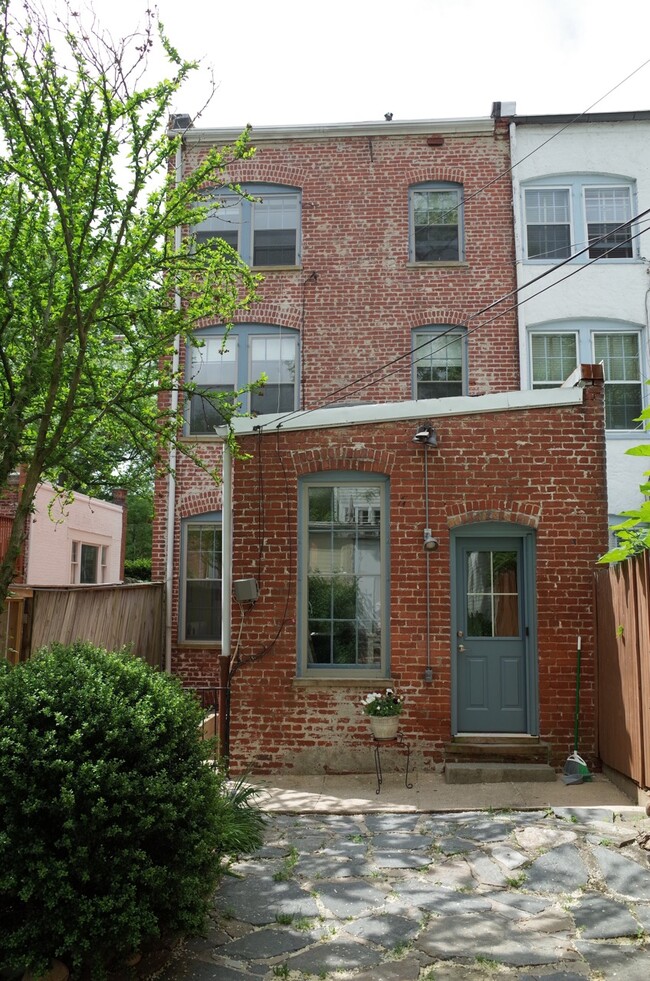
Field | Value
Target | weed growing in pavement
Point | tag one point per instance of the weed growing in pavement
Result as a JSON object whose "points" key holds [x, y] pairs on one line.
{"points": [[289, 864]]}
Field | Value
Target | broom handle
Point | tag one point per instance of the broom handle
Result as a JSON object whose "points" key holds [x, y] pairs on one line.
{"points": [[575, 736]]}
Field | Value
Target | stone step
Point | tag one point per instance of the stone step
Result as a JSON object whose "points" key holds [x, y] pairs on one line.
{"points": [[499, 773], [532, 751], [495, 737]]}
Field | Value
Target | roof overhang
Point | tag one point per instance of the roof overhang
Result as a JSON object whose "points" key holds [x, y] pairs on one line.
{"points": [[480, 125]]}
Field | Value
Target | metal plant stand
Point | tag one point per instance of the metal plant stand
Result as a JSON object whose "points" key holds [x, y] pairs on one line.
{"points": [[398, 741]]}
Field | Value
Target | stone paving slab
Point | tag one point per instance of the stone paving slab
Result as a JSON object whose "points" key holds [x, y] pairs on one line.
{"points": [[537, 895]]}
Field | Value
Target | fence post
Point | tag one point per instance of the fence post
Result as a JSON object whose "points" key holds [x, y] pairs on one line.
{"points": [[224, 706]]}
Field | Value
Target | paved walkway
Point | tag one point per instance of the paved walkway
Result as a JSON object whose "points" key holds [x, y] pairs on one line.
{"points": [[561, 893]]}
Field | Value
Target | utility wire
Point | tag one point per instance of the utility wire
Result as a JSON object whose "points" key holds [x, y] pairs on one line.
{"points": [[330, 397]]}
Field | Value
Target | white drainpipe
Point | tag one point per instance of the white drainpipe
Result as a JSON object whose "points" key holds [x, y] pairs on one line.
{"points": [[171, 477], [226, 551]]}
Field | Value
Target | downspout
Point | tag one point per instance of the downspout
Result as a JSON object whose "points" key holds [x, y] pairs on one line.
{"points": [[171, 476], [226, 553], [428, 671]]}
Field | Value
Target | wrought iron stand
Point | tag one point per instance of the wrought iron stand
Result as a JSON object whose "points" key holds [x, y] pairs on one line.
{"points": [[399, 741]]}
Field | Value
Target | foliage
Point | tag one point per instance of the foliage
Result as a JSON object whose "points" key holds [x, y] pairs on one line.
{"points": [[633, 534], [137, 569], [139, 525], [98, 292], [112, 827], [384, 703]]}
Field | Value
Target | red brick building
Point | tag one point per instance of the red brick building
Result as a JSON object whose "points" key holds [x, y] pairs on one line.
{"points": [[457, 567]]}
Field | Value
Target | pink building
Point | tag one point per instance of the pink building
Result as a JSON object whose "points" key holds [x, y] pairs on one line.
{"points": [[77, 541]]}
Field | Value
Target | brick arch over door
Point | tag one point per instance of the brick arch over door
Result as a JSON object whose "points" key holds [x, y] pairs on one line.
{"points": [[520, 513]]}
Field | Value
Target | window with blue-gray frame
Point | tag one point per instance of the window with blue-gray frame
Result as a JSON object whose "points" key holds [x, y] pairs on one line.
{"points": [[566, 214], [436, 222], [439, 362], [343, 575], [264, 226], [557, 348], [200, 580], [225, 364]]}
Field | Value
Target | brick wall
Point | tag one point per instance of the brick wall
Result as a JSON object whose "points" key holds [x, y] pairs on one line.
{"points": [[501, 466]]}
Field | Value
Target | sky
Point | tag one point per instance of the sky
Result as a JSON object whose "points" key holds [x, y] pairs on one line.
{"points": [[301, 62]]}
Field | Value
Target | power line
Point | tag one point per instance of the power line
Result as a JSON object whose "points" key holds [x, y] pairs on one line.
{"points": [[329, 398]]}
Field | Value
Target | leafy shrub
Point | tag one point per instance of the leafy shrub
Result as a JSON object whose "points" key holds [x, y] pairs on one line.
{"points": [[113, 830], [138, 569]]}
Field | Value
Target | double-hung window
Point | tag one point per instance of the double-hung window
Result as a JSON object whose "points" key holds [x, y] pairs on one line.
{"points": [[226, 364], [263, 226], [586, 214], [439, 362], [556, 352], [343, 575], [200, 585], [436, 223]]}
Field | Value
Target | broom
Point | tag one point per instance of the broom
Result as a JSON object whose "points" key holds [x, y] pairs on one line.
{"points": [[575, 768]]}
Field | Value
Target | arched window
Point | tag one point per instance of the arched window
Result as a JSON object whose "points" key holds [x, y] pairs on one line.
{"points": [[199, 618], [263, 227], [436, 222], [343, 571], [439, 362], [227, 364]]}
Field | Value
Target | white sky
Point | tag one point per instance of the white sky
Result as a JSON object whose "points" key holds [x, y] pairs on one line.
{"points": [[297, 61]]}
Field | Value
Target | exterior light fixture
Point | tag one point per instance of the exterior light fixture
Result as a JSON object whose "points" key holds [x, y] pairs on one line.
{"points": [[426, 435], [430, 543]]}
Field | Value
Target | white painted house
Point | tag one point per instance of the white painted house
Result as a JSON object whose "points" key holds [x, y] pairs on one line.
{"points": [[578, 186]]}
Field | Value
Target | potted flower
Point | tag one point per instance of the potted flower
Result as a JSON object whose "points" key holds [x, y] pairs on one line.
{"points": [[384, 709]]}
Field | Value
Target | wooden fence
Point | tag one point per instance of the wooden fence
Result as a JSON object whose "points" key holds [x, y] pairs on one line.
{"points": [[107, 616], [623, 637]]}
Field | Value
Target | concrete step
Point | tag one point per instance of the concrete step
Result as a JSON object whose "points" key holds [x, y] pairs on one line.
{"points": [[466, 751], [499, 773], [495, 737]]}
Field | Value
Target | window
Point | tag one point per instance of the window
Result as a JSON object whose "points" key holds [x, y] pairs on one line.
{"points": [[85, 566], [200, 602], [436, 218], [249, 351], [548, 224], [343, 589], [554, 355], [606, 208], [264, 227], [565, 216], [439, 358]]}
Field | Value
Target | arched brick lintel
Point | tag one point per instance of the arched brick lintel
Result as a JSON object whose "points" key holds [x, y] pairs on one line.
{"points": [[528, 515]]}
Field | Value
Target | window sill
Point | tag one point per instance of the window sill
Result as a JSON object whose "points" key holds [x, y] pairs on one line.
{"points": [[343, 682], [438, 265], [193, 645], [270, 269]]}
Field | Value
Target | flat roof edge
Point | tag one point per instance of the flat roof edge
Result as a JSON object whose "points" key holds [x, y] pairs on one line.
{"points": [[430, 409], [638, 115], [481, 124]]}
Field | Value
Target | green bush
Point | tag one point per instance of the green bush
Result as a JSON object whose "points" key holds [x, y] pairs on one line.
{"points": [[138, 569], [113, 829]]}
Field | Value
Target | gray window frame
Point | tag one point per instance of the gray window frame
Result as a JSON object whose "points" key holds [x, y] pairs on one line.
{"points": [[212, 519], [433, 186], [443, 332]]}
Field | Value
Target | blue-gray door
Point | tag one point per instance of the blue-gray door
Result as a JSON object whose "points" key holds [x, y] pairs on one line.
{"points": [[491, 627]]}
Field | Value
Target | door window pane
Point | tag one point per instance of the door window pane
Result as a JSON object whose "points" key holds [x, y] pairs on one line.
{"points": [[492, 593]]}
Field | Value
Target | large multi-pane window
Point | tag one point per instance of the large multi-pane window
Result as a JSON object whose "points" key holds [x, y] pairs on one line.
{"points": [[436, 220], [88, 563], [343, 575], [263, 226], [585, 214], [200, 614], [439, 362], [225, 365], [555, 353]]}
